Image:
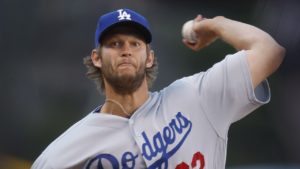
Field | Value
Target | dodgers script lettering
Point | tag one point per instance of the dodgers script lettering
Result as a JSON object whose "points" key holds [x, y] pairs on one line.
{"points": [[163, 144], [158, 146]]}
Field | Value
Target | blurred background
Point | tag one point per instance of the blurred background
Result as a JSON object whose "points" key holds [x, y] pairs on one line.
{"points": [[44, 89]]}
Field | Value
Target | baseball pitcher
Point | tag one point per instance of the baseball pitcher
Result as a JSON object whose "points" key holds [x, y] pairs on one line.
{"points": [[182, 126]]}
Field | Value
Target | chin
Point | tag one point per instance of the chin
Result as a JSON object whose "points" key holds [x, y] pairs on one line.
{"points": [[127, 73], [127, 76]]}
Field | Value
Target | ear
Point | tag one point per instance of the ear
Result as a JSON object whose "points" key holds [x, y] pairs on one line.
{"points": [[96, 58], [150, 59]]}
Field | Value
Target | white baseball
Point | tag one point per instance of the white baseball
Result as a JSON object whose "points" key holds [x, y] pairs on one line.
{"points": [[188, 32]]}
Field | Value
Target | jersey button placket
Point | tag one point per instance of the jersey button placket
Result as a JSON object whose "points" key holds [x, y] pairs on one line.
{"points": [[131, 127], [131, 122]]}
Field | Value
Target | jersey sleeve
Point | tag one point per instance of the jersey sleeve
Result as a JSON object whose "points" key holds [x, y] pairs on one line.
{"points": [[226, 92], [41, 163]]}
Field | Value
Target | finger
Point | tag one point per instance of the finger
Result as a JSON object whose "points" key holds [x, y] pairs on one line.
{"points": [[198, 17], [190, 45], [187, 43]]}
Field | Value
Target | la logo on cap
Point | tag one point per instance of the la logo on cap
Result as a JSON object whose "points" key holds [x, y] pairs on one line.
{"points": [[123, 15]]}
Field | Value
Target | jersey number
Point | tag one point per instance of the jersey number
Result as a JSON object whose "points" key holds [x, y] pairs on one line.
{"points": [[197, 162]]}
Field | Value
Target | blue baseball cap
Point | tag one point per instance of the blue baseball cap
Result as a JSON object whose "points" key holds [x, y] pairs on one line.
{"points": [[122, 16]]}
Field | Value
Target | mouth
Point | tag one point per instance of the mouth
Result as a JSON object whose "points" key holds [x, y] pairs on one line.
{"points": [[125, 65]]}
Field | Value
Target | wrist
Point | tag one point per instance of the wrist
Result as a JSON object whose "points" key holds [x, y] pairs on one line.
{"points": [[216, 25]]}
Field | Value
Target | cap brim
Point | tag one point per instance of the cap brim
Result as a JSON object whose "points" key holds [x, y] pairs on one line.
{"points": [[140, 30]]}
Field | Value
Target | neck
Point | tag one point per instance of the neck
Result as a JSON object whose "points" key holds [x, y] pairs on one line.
{"points": [[124, 105]]}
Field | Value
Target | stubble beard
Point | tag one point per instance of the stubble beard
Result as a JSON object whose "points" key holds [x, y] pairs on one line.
{"points": [[124, 84]]}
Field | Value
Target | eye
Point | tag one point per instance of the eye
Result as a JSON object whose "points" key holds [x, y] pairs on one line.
{"points": [[136, 44], [115, 44]]}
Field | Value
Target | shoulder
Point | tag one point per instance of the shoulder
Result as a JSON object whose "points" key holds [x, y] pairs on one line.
{"points": [[229, 60], [55, 155], [181, 88], [186, 82]]}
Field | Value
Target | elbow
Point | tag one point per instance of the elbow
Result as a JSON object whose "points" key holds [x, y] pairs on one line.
{"points": [[280, 53], [278, 56]]}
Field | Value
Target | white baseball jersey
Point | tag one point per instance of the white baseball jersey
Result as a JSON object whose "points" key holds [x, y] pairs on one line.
{"points": [[183, 126]]}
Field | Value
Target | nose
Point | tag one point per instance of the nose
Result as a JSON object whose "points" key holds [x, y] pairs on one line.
{"points": [[126, 50]]}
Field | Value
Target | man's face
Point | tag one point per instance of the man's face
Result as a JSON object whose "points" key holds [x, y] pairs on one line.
{"points": [[123, 58]]}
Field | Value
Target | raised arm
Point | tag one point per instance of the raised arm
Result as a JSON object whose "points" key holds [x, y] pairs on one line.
{"points": [[264, 54]]}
